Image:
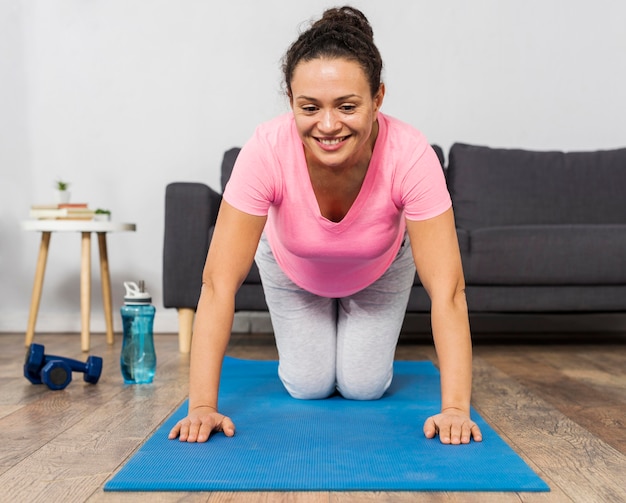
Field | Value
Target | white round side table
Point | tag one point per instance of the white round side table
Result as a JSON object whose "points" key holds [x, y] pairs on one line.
{"points": [[85, 227]]}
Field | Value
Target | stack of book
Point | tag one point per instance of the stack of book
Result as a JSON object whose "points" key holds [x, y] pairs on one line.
{"points": [[63, 211]]}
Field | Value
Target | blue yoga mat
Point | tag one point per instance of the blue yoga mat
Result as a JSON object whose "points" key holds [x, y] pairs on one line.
{"points": [[283, 444]]}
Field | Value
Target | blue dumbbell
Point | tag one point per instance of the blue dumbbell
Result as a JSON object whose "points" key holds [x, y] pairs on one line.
{"points": [[56, 371]]}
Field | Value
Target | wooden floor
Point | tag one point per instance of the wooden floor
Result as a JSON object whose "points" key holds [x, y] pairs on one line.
{"points": [[561, 406]]}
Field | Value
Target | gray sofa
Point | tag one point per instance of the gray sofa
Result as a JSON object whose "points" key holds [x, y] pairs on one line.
{"points": [[539, 232]]}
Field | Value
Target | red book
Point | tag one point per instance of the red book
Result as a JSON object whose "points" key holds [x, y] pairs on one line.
{"points": [[73, 205]]}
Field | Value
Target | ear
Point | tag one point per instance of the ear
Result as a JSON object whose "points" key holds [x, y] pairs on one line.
{"points": [[378, 98], [290, 98]]}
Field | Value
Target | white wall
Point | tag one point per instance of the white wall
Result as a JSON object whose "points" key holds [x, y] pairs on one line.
{"points": [[123, 96]]}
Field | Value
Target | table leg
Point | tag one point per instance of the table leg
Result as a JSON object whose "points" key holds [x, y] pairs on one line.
{"points": [[105, 278], [40, 270], [85, 289]]}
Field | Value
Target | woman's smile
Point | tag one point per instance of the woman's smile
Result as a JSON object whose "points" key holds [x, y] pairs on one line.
{"points": [[331, 144]]}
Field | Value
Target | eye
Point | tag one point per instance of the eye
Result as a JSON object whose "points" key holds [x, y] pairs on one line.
{"points": [[347, 108], [309, 109]]}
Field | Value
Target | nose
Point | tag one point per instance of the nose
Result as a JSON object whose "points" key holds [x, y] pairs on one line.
{"points": [[328, 122]]}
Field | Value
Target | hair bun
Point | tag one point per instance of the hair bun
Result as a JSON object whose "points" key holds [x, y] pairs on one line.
{"points": [[341, 32], [343, 17]]}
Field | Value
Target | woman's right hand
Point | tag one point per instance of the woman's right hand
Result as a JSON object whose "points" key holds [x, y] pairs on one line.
{"points": [[200, 423]]}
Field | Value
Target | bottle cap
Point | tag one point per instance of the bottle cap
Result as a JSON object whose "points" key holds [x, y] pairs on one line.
{"points": [[136, 293]]}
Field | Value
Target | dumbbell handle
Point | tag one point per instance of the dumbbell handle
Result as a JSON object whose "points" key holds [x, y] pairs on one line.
{"points": [[91, 369], [75, 365], [36, 359]]}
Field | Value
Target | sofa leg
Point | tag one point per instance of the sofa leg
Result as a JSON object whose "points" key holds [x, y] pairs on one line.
{"points": [[185, 325]]}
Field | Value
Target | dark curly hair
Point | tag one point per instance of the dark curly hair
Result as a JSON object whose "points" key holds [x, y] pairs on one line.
{"points": [[342, 32]]}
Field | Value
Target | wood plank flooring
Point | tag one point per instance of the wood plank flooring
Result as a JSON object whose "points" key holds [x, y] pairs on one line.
{"points": [[561, 406]]}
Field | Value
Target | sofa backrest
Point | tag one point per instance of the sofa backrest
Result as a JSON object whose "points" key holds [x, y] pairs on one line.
{"points": [[228, 161], [502, 187]]}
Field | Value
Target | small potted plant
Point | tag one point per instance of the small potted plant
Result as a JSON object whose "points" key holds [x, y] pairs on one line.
{"points": [[102, 215], [63, 194]]}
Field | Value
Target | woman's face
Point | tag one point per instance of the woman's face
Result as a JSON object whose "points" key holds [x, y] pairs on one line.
{"points": [[334, 111]]}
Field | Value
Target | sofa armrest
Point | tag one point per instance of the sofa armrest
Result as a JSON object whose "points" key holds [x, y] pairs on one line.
{"points": [[190, 214]]}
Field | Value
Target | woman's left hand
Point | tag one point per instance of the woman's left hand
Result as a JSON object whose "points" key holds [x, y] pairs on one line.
{"points": [[453, 426]]}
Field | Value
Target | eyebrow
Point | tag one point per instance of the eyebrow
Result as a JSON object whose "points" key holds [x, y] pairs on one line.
{"points": [[340, 98]]}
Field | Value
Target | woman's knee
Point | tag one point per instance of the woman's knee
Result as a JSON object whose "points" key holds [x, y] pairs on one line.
{"points": [[363, 387], [352, 386], [308, 386]]}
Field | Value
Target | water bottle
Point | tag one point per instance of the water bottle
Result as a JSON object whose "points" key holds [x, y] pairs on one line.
{"points": [[138, 358]]}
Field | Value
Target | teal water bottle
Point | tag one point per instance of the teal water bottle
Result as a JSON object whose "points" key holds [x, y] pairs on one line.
{"points": [[138, 358]]}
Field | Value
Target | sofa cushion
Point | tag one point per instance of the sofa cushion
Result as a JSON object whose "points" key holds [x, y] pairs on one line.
{"points": [[500, 187], [545, 299], [548, 255]]}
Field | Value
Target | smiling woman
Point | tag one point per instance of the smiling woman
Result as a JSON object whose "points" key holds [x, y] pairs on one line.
{"points": [[337, 203]]}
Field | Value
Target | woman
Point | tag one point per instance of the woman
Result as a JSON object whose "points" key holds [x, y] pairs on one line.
{"points": [[338, 204]]}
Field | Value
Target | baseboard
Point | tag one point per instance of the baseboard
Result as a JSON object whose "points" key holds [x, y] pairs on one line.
{"points": [[165, 321]]}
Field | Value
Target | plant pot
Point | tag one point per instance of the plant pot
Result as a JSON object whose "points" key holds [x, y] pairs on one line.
{"points": [[62, 196]]}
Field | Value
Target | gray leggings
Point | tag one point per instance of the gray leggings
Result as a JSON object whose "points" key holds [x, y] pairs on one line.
{"points": [[345, 344]]}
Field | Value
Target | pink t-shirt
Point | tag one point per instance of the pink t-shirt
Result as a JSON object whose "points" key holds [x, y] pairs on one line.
{"points": [[336, 259]]}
